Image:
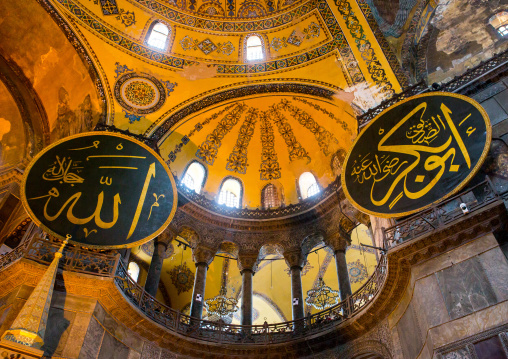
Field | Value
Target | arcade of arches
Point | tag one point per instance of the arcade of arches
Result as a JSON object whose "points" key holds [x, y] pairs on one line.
{"points": [[254, 105]]}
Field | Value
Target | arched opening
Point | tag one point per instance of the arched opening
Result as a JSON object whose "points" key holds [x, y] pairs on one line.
{"points": [[270, 197], [158, 36], [500, 22], [194, 177], [133, 271], [308, 185], [254, 48], [231, 193]]}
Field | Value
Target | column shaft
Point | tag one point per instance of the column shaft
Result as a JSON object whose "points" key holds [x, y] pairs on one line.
{"points": [[154, 272], [297, 292], [342, 274], [246, 308], [198, 294]]}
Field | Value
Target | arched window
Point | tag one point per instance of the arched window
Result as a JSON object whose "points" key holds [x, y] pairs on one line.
{"points": [[133, 271], [500, 22], [308, 185], [270, 197], [231, 193], [254, 48], [158, 36], [194, 176]]}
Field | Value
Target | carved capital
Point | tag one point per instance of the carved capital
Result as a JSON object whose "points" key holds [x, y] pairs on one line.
{"points": [[338, 240], [294, 257], [202, 254], [165, 237], [248, 261]]}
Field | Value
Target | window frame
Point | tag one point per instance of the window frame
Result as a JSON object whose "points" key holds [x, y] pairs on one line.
{"points": [[149, 33], [278, 199], [139, 270], [205, 177], [240, 200], [300, 190], [264, 49]]}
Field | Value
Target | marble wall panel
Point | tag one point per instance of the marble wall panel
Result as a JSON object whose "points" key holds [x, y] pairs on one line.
{"points": [[409, 334], [133, 355], [57, 331], [111, 348], [457, 354], [495, 266], [77, 335], [429, 302], [92, 342], [150, 351], [490, 348], [465, 288]]}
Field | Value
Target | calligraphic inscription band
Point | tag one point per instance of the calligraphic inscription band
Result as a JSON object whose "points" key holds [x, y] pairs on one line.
{"points": [[104, 189], [416, 153]]}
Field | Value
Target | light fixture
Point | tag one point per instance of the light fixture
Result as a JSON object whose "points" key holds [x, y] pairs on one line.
{"points": [[322, 297], [221, 305]]}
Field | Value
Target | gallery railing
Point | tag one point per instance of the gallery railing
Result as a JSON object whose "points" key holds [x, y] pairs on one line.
{"points": [[460, 84], [441, 215], [37, 247], [219, 331]]}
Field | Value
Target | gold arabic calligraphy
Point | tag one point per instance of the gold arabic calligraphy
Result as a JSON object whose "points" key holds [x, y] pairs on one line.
{"points": [[377, 168], [65, 170]]}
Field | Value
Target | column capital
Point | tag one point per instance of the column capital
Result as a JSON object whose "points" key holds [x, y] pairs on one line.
{"points": [[202, 254], [338, 240], [247, 261], [166, 236], [295, 258]]}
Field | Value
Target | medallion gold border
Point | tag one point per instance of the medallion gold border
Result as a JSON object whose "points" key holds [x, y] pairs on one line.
{"points": [[472, 173], [87, 134]]}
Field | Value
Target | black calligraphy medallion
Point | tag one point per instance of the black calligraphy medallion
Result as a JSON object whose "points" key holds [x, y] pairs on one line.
{"points": [[104, 189], [416, 153]]}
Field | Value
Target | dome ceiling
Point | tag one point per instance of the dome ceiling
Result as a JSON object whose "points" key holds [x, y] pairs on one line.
{"points": [[243, 9], [261, 139]]}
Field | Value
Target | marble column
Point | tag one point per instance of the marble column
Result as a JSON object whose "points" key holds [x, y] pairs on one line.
{"points": [[295, 260], [154, 272], [246, 307], [342, 274], [247, 264], [339, 241], [202, 256]]}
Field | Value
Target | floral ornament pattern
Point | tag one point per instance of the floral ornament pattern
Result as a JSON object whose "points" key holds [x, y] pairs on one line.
{"points": [[270, 168], [324, 137], [357, 272], [342, 124], [313, 30], [237, 161], [296, 150], [197, 127], [207, 46], [208, 150], [182, 278], [128, 18]]}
